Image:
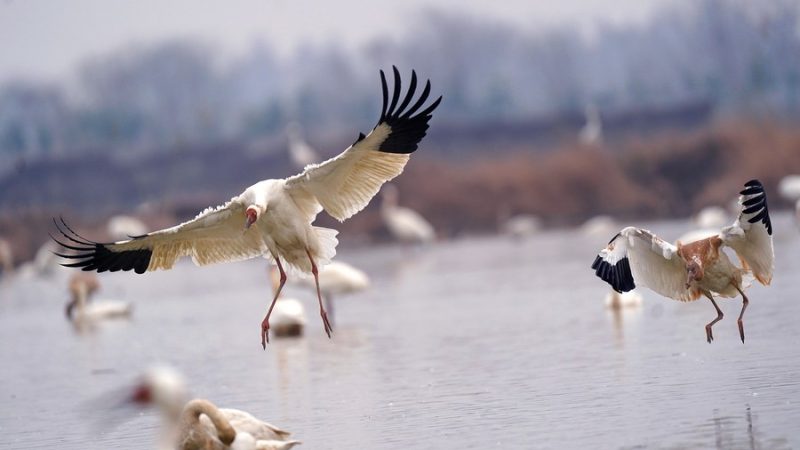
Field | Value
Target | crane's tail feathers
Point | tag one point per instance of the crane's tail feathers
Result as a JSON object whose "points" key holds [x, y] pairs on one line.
{"points": [[327, 245]]}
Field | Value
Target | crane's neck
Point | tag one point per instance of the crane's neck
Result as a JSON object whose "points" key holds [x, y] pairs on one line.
{"points": [[389, 200], [191, 417], [78, 301]]}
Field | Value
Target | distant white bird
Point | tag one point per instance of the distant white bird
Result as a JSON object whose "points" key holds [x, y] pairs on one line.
{"points": [[789, 187], [6, 258], [125, 227], [711, 217], [199, 424], [797, 212], [686, 271], [599, 226], [405, 224], [335, 279], [82, 312], [282, 210], [621, 300], [300, 152], [46, 262], [592, 132], [522, 225], [289, 315]]}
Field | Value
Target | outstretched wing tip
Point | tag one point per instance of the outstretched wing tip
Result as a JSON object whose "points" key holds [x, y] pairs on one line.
{"points": [[408, 125], [617, 275], [95, 256]]}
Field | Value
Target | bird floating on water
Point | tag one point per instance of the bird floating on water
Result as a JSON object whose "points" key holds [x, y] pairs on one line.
{"points": [[405, 224], [789, 187], [200, 424], [272, 218], [289, 315], [82, 312], [335, 279], [687, 271]]}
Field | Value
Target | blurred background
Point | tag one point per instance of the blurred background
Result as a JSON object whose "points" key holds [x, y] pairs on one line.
{"points": [[636, 109], [556, 115]]}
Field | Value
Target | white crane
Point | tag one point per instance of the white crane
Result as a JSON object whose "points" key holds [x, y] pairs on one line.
{"points": [[122, 227], [198, 423], [711, 217], [600, 225], [300, 152], [335, 279], [405, 224], [687, 271], [82, 312], [592, 131], [272, 218], [789, 187]]}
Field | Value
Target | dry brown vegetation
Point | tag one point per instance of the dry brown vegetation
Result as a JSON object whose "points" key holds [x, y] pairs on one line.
{"points": [[670, 174], [667, 175]]}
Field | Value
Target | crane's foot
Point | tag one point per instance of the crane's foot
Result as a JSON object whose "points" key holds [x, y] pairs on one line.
{"points": [[709, 334], [326, 323], [264, 334]]}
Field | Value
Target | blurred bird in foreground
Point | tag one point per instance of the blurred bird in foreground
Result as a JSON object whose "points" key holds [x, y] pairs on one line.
{"points": [[199, 424], [282, 210], [82, 312], [686, 271]]}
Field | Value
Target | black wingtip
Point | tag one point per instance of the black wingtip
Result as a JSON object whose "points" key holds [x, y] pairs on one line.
{"points": [[619, 275], [407, 126], [756, 204], [95, 256], [385, 90]]}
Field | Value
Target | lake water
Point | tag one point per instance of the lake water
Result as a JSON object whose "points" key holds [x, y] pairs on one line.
{"points": [[474, 343]]}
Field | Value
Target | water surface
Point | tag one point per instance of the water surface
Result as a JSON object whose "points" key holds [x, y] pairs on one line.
{"points": [[474, 343]]}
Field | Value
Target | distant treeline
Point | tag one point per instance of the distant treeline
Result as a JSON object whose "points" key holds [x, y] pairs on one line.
{"points": [[736, 55]]}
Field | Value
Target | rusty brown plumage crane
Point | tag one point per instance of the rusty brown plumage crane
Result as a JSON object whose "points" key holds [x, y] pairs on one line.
{"points": [[701, 268]]}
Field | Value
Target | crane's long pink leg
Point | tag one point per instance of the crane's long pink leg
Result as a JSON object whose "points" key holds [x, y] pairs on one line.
{"points": [[322, 313], [745, 301], [265, 322], [709, 335]]}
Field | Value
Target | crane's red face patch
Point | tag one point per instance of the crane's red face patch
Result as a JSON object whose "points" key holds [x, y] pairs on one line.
{"points": [[252, 215]]}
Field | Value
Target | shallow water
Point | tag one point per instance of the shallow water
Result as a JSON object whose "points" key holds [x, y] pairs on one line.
{"points": [[475, 343]]}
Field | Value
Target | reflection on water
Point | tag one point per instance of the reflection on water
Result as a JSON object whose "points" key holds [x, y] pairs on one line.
{"points": [[474, 343]]}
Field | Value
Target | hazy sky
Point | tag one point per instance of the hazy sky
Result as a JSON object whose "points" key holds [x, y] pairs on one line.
{"points": [[46, 38]]}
